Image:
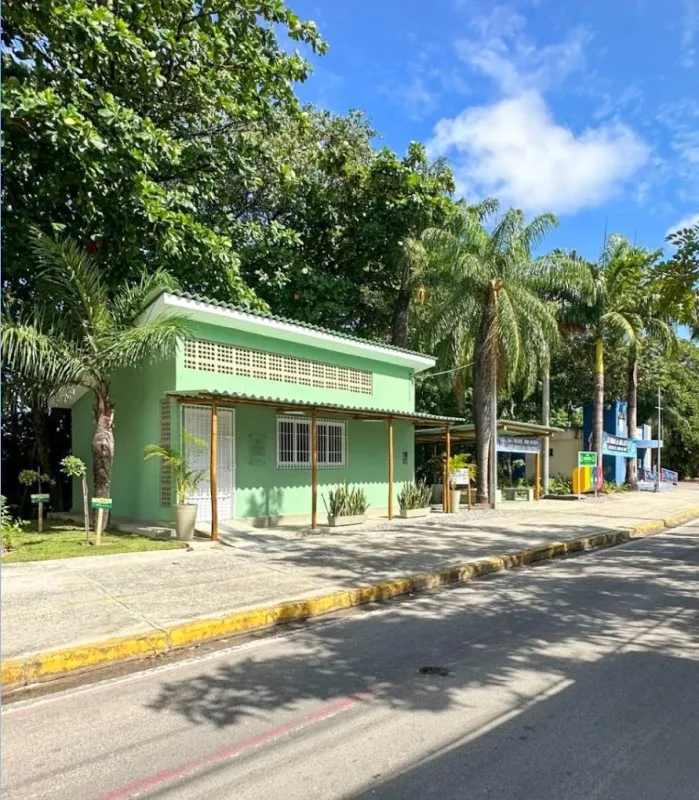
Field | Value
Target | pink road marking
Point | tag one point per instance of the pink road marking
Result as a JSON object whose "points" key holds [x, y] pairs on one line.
{"points": [[156, 780]]}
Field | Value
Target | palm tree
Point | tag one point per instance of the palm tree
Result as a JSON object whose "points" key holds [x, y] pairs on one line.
{"points": [[610, 308], [487, 293], [78, 335]]}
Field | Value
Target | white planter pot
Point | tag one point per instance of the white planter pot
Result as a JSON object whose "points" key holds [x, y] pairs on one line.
{"points": [[185, 519], [454, 500], [339, 522], [410, 513]]}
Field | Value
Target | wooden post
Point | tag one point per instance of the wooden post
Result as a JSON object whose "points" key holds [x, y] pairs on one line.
{"points": [[447, 496], [390, 467], [98, 530], [213, 470], [41, 518], [537, 479], [314, 471]]}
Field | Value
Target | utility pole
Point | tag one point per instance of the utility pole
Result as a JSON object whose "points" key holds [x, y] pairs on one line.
{"points": [[494, 437], [546, 420], [660, 436]]}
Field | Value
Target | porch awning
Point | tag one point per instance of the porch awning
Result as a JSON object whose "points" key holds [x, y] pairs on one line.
{"points": [[206, 397], [466, 432]]}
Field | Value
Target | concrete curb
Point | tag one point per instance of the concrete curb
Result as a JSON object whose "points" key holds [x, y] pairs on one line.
{"points": [[57, 663]]}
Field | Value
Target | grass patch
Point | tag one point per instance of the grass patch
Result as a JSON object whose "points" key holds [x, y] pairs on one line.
{"points": [[63, 540]]}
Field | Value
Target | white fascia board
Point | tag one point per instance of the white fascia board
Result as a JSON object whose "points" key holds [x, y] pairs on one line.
{"points": [[67, 398], [218, 315]]}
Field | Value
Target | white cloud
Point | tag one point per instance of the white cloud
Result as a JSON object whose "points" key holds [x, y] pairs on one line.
{"points": [[514, 149], [686, 222], [501, 50]]}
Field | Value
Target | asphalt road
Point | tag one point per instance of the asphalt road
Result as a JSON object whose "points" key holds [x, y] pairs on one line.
{"points": [[577, 679]]}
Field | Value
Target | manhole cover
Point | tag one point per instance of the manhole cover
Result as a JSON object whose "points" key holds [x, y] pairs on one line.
{"points": [[441, 672]]}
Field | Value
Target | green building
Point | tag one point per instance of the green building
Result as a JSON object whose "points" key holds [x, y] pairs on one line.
{"points": [[268, 385]]}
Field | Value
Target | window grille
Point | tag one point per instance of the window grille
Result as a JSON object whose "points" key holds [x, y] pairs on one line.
{"points": [[294, 443], [165, 441], [228, 359]]}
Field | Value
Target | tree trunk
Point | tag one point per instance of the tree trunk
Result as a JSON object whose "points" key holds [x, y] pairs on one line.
{"points": [[598, 410], [103, 443], [482, 399], [632, 417], [400, 334], [39, 429]]}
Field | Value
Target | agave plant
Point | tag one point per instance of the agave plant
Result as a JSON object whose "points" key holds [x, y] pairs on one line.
{"points": [[346, 501], [414, 495]]}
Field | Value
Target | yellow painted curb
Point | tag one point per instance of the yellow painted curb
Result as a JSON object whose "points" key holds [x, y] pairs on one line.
{"points": [[57, 663]]}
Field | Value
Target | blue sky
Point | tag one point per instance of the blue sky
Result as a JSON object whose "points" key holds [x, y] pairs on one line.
{"points": [[589, 110]]}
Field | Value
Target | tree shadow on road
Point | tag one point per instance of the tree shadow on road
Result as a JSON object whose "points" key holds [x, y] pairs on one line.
{"points": [[484, 634]]}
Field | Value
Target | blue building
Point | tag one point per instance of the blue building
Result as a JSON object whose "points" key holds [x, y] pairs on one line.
{"points": [[619, 444]]}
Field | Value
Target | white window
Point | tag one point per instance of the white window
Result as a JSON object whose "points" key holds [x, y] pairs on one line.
{"points": [[294, 442]]}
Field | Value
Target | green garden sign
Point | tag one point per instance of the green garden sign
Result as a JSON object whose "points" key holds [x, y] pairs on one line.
{"points": [[40, 498], [101, 502], [587, 458]]}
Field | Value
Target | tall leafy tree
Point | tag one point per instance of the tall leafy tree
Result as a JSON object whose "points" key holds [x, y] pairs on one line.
{"points": [[485, 291], [80, 334], [122, 121], [355, 213], [677, 279]]}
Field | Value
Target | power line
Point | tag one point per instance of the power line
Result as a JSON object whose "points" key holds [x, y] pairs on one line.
{"points": [[444, 372]]}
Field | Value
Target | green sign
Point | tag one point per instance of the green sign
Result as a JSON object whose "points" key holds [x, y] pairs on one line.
{"points": [[587, 459], [101, 502], [39, 498]]}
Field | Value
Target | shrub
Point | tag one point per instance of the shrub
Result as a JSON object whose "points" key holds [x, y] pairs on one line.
{"points": [[11, 528], [414, 495], [346, 502], [560, 485]]}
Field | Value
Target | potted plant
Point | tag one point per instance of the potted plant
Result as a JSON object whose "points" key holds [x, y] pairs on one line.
{"points": [[414, 500], [460, 461], [186, 481], [346, 506]]}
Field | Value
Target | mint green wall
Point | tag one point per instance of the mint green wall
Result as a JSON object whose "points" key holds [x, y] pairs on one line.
{"points": [[136, 395], [392, 385], [261, 488], [264, 490]]}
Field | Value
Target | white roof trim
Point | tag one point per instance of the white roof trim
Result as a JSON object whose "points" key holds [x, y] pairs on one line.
{"points": [[248, 320]]}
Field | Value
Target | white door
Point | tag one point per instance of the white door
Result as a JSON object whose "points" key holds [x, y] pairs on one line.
{"points": [[197, 422]]}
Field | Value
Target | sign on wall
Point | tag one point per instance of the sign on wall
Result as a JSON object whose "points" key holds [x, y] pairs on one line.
{"points": [[618, 446], [518, 444]]}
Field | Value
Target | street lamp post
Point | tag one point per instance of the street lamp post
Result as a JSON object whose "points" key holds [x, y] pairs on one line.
{"points": [[660, 437]]}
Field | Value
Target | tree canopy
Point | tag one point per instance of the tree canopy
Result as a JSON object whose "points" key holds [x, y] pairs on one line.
{"points": [[121, 121]]}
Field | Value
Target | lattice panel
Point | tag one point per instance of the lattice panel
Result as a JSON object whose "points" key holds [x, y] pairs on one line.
{"points": [[227, 359], [165, 441]]}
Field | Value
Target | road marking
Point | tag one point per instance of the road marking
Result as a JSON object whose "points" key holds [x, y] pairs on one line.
{"points": [[158, 779]]}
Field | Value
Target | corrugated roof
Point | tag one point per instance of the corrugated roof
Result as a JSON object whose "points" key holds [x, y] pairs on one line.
{"points": [[286, 320], [504, 426], [206, 394]]}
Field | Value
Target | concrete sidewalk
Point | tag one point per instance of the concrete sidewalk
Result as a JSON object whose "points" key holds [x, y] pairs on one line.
{"points": [[53, 605]]}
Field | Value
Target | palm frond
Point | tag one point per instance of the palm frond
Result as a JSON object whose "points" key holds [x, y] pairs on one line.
{"points": [[73, 280], [130, 347], [41, 355], [134, 298]]}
